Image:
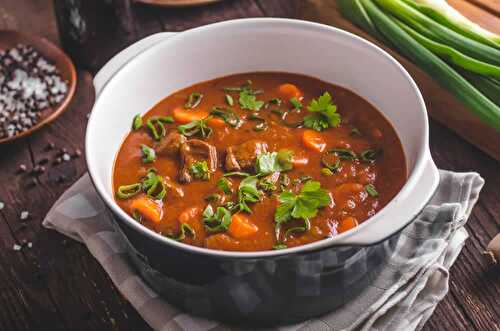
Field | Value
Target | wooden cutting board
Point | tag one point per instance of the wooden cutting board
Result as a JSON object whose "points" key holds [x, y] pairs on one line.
{"points": [[441, 104]]}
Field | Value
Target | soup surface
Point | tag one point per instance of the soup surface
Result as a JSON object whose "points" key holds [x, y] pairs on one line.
{"points": [[258, 161]]}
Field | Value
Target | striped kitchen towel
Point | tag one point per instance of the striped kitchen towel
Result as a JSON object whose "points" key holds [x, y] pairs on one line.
{"points": [[402, 297]]}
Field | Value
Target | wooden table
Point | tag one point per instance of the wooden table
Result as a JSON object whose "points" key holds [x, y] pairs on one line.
{"points": [[57, 284]]}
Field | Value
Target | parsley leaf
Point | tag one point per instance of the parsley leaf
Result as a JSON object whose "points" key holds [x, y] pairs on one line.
{"points": [[249, 101], [199, 170], [216, 221], [248, 193], [304, 205], [324, 114], [274, 162]]}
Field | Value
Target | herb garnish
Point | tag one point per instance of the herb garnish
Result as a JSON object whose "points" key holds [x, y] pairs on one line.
{"points": [[248, 193], [153, 185], [148, 154], [331, 161], [197, 127], [325, 114], [185, 228], [303, 206], [274, 162], [249, 101], [229, 100], [236, 173], [225, 185], [128, 191], [344, 154], [297, 105], [194, 100], [228, 115], [370, 189], [274, 101], [216, 221], [199, 170], [370, 155], [280, 246], [261, 126], [137, 122], [158, 122], [326, 172], [355, 132]]}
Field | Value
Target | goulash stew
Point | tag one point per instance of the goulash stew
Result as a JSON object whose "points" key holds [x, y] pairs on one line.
{"points": [[258, 161]]}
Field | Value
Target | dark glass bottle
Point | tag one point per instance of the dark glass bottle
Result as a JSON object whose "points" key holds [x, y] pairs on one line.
{"points": [[92, 31]]}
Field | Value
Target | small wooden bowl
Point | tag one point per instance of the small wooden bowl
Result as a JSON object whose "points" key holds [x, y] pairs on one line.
{"points": [[9, 39], [176, 3]]}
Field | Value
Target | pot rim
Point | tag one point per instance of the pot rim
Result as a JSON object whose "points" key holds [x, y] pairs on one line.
{"points": [[423, 158]]}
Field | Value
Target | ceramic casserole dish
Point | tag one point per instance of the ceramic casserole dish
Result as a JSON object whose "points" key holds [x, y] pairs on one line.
{"points": [[270, 287]]}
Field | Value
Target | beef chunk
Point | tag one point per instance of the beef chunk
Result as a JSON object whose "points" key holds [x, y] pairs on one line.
{"points": [[243, 156], [196, 150], [171, 144]]}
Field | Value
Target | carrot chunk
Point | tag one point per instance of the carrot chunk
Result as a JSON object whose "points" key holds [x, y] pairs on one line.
{"points": [[185, 116], [290, 91], [346, 224], [241, 227], [314, 140], [148, 208], [216, 122]]}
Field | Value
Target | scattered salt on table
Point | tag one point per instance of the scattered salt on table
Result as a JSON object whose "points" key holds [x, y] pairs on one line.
{"points": [[24, 215]]}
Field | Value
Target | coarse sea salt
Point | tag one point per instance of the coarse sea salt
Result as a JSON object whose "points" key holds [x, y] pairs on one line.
{"points": [[29, 84]]}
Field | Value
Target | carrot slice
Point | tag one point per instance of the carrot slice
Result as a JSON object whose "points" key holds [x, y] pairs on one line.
{"points": [[314, 140], [216, 122], [148, 208], [241, 227], [185, 116], [347, 224], [290, 91]]}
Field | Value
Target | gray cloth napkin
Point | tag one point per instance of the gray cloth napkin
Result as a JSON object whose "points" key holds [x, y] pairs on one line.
{"points": [[402, 297]]}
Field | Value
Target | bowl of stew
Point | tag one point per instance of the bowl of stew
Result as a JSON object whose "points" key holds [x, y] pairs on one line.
{"points": [[259, 170]]}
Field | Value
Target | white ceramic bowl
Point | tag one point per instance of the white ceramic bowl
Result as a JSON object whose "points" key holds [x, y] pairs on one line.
{"points": [[139, 77]]}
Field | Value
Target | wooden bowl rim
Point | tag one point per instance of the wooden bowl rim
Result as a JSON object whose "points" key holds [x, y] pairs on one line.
{"points": [[37, 41]]}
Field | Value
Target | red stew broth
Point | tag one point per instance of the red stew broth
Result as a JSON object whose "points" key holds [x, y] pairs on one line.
{"points": [[351, 204]]}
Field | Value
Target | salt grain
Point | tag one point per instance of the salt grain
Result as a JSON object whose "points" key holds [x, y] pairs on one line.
{"points": [[16, 247], [66, 157], [2, 205], [29, 84], [24, 215]]}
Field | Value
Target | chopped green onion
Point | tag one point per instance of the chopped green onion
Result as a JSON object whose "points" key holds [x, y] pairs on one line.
{"points": [[200, 170], [194, 100], [344, 154], [229, 100], [280, 246], [153, 185], [332, 165], [299, 229], [355, 132], [185, 228], [236, 173], [148, 154], [262, 126], [128, 191], [137, 122], [274, 101], [225, 185], [326, 172], [216, 221], [228, 115], [197, 127], [370, 189], [158, 122], [297, 105], [370, 155]]}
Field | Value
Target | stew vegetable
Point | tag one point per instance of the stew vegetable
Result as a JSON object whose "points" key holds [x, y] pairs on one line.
{"points": [[258, 161]]}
